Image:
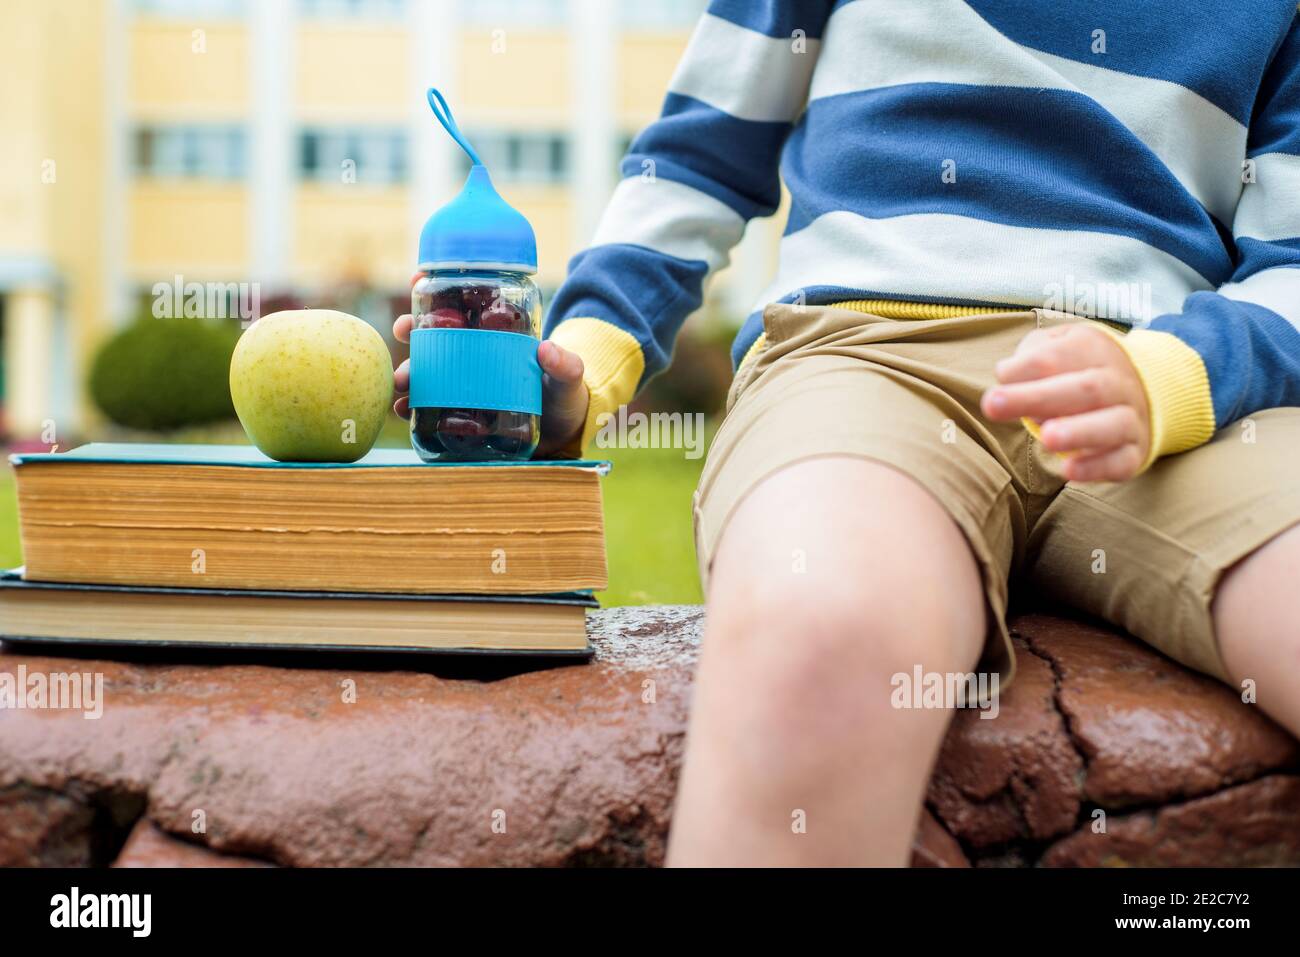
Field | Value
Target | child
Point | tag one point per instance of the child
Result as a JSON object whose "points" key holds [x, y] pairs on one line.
{"points": [[973, 187]]}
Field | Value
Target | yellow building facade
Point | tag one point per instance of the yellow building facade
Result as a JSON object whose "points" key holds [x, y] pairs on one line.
{"points": [[287, 145]]}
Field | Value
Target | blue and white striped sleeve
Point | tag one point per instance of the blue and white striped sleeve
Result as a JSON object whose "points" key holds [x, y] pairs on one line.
{"points": [[1237, 350], [691, 181]]}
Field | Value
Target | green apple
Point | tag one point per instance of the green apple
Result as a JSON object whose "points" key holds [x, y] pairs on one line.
{"points": [[311, 385]]}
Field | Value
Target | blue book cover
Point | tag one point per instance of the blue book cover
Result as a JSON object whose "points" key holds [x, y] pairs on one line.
{"points": [[247, 456]]}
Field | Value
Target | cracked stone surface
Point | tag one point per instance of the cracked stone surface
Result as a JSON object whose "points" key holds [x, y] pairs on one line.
{"points": [[1150, 732], [43, 828], [150, 846], [933, 846], [574, 764], [1249, 825], [491, 764], [1015, 776]]}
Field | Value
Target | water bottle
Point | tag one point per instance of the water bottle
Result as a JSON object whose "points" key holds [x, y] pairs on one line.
{"points": [[476, 387]]}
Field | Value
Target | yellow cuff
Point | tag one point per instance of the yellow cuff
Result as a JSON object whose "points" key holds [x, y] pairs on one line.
{"points": [[612, 368], [1177, 388]]}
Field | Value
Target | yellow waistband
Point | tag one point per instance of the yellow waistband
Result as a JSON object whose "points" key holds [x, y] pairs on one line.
{"points": [[896, 309]]}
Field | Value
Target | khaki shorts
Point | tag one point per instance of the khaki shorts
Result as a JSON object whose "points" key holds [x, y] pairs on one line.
{"points": [[1145, 554]]}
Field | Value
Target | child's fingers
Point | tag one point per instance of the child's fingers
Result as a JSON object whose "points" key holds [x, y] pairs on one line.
{"points": [[402, 328], [565, 398], [401, 385], [1049, 352], [1055, 396], [1114, 465], [1103, 429], [563, 368]]}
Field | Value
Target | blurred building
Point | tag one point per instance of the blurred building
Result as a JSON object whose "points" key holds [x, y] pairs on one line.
{"points": [[288, 144]]}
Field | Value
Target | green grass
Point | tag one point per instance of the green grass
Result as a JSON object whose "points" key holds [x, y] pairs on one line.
{"points": [[650, 542], [647, 524], [11, 554]]}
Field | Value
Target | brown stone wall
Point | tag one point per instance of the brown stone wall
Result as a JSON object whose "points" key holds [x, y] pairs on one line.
{"points": [[218, 764]]}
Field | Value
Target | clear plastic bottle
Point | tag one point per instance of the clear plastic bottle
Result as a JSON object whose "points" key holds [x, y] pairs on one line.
{"points": [[483, 299]]}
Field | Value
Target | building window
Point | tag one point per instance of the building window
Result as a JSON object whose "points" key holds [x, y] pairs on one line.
{"points": [[372, 156], [514, 13], [192, 9], [522, 157], [200, 152], [660, 15], [361, 9]]}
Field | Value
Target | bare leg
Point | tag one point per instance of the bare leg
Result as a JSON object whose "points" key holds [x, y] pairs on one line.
{"points": [[1257, 620], [833, 575]]}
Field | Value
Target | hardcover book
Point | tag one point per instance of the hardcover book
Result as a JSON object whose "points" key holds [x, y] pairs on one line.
{"points": [[229, 518], [116, 615]]}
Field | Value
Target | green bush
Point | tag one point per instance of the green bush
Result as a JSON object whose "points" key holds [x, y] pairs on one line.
{"points": [[162, 374]]}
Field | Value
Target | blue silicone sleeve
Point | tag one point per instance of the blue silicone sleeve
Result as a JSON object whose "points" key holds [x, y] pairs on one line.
{"points": [[475, 369]]}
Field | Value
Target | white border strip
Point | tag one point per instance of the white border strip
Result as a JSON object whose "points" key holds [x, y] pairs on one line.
{"points": [[745, 73], [936, 256], [670, 218], [1270, 206], [886, 43], [1277, 289]]}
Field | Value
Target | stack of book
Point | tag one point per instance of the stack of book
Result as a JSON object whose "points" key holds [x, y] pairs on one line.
{"points": [[221, 546]]}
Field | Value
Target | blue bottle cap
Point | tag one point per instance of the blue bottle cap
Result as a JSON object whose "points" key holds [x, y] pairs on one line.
{"points": [[478, 229]]}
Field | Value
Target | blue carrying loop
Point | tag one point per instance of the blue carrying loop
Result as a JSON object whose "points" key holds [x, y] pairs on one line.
{"points": [[478, 226], [443, 112]]}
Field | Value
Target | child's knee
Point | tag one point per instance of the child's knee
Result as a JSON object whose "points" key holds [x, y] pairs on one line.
{"points": [[845, 620], [820, 651]]}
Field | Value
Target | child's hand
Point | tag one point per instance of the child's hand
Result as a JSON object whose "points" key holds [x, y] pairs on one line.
{"points": [[1078, 384], [564, 394]]}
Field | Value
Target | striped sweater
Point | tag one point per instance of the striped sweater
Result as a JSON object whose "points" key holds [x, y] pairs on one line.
{"points": [[1138, 161]]}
